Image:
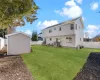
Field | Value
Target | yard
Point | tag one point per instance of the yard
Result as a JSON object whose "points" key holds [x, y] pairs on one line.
{"points": [[49, 63]]}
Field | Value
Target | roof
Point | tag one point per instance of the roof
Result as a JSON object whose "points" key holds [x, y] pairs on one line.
{"points": [[1, 38], [39, 33], [69, 21], [17, 33], [97, 36]]}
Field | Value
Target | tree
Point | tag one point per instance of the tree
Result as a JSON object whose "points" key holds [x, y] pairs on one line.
{"points": [[34, 36], [13, 12], [3, 32], [86, 34]]}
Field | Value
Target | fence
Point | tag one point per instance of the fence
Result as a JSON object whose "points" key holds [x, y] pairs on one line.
{"points": [[91, 44], [36, 42], [85, 44]]}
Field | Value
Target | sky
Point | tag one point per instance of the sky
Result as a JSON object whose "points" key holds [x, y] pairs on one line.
{"points": [[52, 12]]}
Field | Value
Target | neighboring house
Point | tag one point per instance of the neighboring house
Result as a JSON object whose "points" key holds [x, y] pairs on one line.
{"points": [[96, 38], [40, 37], [17, 43], [69, 33], [87, 39]]}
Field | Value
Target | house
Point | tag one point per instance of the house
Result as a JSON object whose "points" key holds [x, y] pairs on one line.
{"points": [[69, 33], [17, 43], [87, 39], [40, 37], [96, 38]]}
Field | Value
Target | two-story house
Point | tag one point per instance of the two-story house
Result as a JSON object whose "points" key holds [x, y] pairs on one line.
{"points": [[69, 33]]}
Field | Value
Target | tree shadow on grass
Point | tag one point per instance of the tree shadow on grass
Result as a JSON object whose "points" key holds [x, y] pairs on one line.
{"points": [[91, 69]]}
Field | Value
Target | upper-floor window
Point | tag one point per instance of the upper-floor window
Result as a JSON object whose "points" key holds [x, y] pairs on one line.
{"points": [[76, 26], [54, 28], [60, 29], [50, 31], [79, 27], [71, 26]]}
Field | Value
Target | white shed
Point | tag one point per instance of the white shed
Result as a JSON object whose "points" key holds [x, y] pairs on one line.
{"points": [[18, 43], [2, 42]]}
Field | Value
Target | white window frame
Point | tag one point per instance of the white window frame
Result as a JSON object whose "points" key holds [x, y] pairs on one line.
{"points": [[69, 39]]}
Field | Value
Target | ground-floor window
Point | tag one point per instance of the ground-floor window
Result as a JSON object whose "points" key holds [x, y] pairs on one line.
{"points": [[68, 39], [50, 39]]}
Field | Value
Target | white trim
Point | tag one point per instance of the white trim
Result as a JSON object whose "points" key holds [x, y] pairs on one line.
{"points": [[82, 21], [17, 33], [1, 38], [7, 45]]}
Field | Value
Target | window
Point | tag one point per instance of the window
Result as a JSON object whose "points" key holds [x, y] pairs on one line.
{"points": [[72, 26], [68, 39], [79, 27], [54, 28], [60, 29], [80, 39], [50, 31], [56, 39], [50, 39], [76, 26]]}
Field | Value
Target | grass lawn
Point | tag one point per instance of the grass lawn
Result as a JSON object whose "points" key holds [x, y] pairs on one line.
{"points": [[49, 63]]}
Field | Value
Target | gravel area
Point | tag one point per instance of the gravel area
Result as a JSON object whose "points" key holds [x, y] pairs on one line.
{"points": [[91, 69], [13, 68]]}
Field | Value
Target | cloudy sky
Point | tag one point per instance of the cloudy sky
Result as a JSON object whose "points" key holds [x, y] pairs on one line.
{"points": [[52, 12]]}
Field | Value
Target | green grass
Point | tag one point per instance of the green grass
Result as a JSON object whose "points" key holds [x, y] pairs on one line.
{"points": [[49, 63]]}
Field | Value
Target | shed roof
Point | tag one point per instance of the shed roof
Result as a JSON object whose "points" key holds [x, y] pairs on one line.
{"points": [[17, 33], [1, 38]]}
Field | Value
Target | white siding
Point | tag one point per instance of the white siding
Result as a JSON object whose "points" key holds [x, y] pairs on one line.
{"points": [[65, 30], [79, 33], [18, 44], [63, 41]]}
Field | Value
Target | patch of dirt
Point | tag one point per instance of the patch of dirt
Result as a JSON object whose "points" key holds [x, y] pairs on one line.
{"points": [[91, 69], [13, 68]]}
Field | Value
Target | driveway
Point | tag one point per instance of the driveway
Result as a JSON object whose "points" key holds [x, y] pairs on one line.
{"points": [[13, 68]]}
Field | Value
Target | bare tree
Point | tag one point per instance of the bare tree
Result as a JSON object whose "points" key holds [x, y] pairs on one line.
{"points": [[86, 34]]}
